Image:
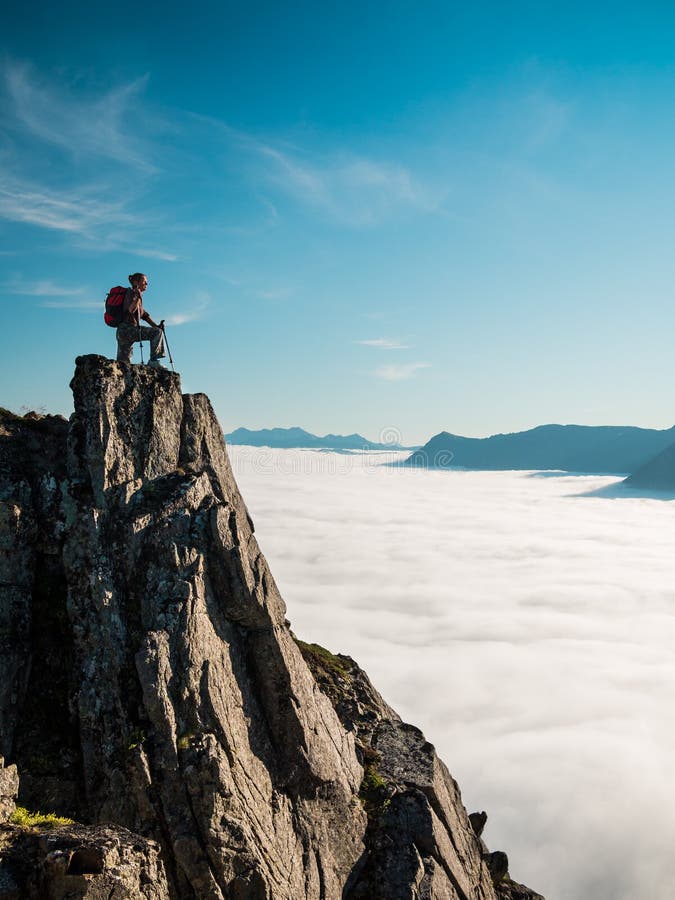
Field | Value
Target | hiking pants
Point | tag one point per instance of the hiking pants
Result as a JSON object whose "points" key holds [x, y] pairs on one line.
{"points": [[128, 335]]}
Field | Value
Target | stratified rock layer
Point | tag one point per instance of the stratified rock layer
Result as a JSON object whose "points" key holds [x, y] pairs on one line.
{"points": [[149, 678]]}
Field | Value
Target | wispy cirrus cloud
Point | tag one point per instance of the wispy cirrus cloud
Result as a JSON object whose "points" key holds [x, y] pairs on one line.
{"points": [[156, 254], [53, 295], [345, 186], [400, 372], [82, 126], [384, 344], [74, 303], [87, 211], [42, 288], [74, 165], [197, 309], [77, 211], [355, 190]]}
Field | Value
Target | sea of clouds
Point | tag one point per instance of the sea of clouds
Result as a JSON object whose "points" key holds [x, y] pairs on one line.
{"points": [[524, 623]]}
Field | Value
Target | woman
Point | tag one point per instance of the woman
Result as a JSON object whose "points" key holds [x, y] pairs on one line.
{"points": [[130, 329]]}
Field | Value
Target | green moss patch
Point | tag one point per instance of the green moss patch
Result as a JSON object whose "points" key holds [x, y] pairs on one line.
{"points": [[327, 659], [25, 819], [375, 792]]}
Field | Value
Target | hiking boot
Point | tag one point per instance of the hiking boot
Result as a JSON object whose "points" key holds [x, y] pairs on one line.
{"points": [[156, 364]]}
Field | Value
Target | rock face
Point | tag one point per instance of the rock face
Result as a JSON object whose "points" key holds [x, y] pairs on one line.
{"points": [[9, 790], [60, 863], [148, 676], [85, 861], [420, 841]]}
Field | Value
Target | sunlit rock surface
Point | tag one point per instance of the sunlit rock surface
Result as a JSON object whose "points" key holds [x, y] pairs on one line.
{"points": [[149, 679]]}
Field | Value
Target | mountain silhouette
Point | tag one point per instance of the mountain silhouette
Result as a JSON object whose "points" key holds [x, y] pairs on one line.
{"points": [[656, 474], [601, 449], [299, 438]]}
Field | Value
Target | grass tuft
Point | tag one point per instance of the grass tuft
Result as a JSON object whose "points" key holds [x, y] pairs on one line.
{"points": [[25, 819]]}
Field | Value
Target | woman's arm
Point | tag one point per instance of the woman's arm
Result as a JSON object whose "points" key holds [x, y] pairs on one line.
{"points": [[148, 318], [133, 303]]}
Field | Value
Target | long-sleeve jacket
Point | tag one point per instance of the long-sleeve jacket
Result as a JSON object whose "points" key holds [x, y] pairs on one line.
{"points": [[133, 307]]}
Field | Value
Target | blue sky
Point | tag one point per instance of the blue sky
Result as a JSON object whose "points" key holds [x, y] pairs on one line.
{"points": [[355, 216]]}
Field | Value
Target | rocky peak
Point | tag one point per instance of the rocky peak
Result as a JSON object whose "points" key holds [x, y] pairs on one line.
{"points": [[149, 678]]}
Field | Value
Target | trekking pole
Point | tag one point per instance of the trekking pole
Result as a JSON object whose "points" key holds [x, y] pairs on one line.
{"points": [[140, 341], [168, 349]]}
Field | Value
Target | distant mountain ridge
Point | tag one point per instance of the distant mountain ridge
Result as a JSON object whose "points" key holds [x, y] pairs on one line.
{"points": [[597, 449], [299, 438]]}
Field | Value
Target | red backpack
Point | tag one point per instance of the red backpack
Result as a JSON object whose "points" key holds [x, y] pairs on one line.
{"points": [[114, 306]]}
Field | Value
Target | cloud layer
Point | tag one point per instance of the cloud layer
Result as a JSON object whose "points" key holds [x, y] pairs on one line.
{"points": [[527, 628]]}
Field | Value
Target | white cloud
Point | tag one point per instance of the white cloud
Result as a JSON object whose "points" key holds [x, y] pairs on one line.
{"points": [[526, 628], [97, 126], [93, 213], [53, 295], [302, 180], [354, 190], [44, 288], [156, 254], [57, 172], [400, 372], [343, 185], [82, 305], [76, 211], [194, 309], [384, 344]]}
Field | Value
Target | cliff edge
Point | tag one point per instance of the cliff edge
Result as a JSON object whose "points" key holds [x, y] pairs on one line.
{"points": [[150, 684]]}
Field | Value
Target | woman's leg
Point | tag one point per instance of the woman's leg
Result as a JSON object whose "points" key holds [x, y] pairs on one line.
{"points": [[126, 335]]}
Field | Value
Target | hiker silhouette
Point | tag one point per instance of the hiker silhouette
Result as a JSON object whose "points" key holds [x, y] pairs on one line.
{"points": [[126, 311]]}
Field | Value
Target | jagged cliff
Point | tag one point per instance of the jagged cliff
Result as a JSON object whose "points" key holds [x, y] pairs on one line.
{"points": [[149, 683]]}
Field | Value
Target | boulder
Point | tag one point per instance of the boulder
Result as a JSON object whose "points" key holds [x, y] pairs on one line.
{"points": [[90, 863]]}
